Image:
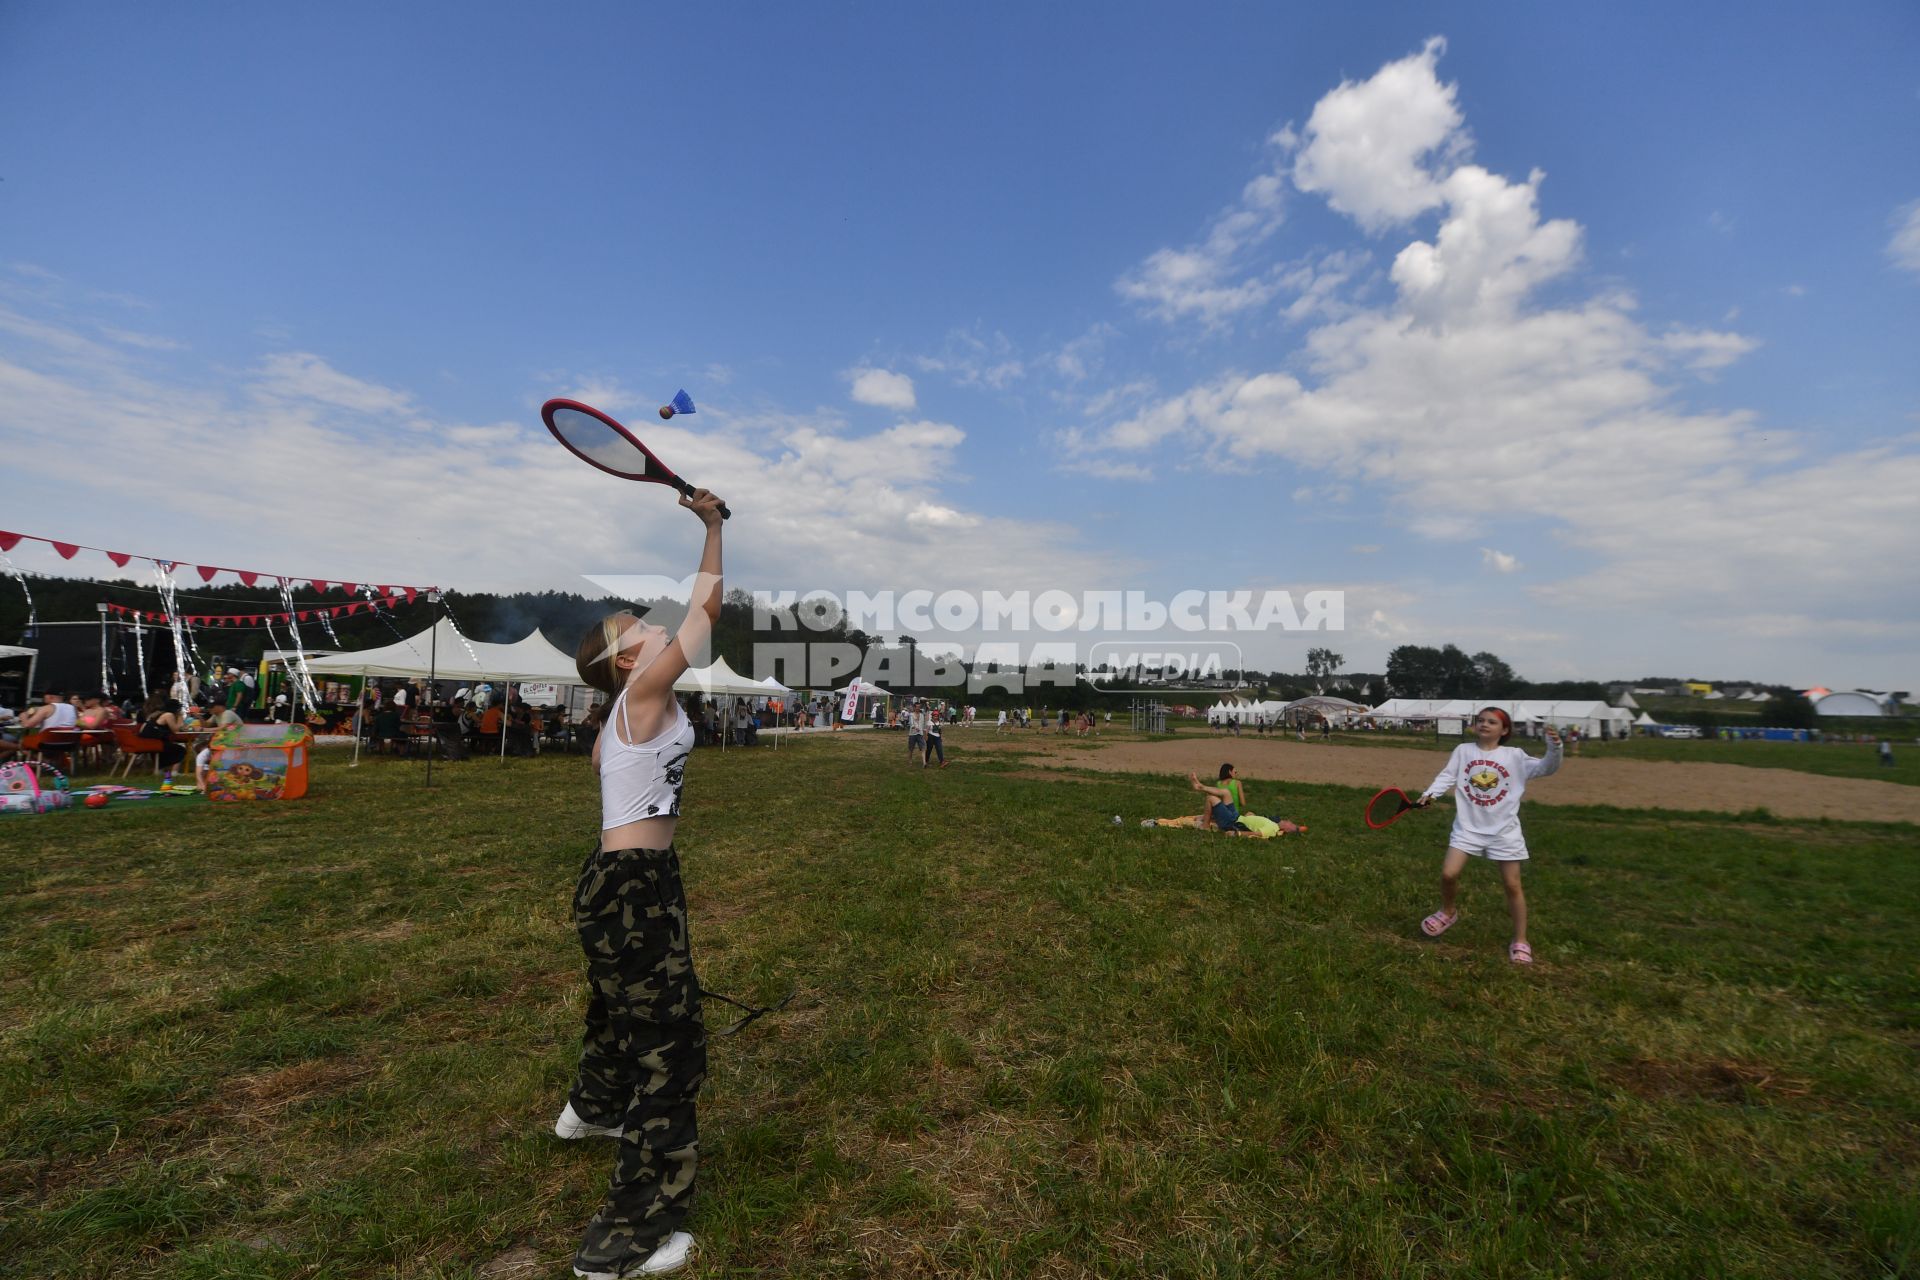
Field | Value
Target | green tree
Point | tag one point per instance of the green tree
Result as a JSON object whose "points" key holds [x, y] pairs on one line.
{"points": [[1414, 671], [1495, 678], [1321, 664]]}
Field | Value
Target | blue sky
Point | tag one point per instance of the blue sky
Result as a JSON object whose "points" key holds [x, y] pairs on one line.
{"points": [[1074, 296]]}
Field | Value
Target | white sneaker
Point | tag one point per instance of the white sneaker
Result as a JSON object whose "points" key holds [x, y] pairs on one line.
{"points": [[571, 1126], [672, 1255]]}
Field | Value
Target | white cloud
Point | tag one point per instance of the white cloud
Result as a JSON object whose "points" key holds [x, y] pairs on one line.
{"points": [[1904, 246], [1368, 146], [484, 505], [301, 377], [1467, 398], [1206, 280], [883, 389], [973, 360], [1704, 350], [1078, 358], [1498, 561], [145, 341]]}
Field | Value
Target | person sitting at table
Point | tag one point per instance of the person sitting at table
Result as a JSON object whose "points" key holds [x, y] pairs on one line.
{"points": [[589, 731], [93, 713], [54, 712], [491, 720], [520, 732], [225, 718], [162, 725], [386, 726]]}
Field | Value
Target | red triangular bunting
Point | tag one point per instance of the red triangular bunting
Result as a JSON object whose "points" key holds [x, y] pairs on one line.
{"points": [[349, 587], [411, 593], [319, 585], [8, 541], [66, 549], [306, 615], [249, 578], [119, 557], [206, 572]]}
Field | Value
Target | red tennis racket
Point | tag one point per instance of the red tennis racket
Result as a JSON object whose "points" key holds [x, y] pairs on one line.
{"points": [[1388, 807], [599, 441]]}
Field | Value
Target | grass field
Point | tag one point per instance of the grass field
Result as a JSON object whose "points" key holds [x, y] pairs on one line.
{"points": [[327, 1039]]}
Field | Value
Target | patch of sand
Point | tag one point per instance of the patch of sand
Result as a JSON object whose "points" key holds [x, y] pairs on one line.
{"points": [[1625, 784]]}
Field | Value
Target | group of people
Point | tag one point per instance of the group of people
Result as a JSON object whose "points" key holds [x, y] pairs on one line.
{"points": [[1225, 810], [161, 720], [643, 1055], [924, 741], [1081, 723], [472, 720]]}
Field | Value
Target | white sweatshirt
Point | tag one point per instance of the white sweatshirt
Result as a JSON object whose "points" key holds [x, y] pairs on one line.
{"points": [[1490, 784]]}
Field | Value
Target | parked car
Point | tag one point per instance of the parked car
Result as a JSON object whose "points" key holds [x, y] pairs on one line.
{"points": [[1685, 731]]}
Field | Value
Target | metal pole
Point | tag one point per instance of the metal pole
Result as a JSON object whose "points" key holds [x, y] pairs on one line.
{"points": [[106, 677], [433, 672]]}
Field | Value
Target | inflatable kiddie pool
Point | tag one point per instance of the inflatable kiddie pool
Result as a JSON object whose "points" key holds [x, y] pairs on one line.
{"points": [[259, 762]]}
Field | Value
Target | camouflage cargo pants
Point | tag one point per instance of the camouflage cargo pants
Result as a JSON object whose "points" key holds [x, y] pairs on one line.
{"points": [[644, 1054]]}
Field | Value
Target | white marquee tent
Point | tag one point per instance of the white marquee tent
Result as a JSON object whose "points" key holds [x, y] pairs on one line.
{"points": [[442, 653], [1591, 718]]}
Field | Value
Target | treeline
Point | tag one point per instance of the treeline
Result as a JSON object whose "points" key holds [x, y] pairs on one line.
{"points": [[1413, 671]]}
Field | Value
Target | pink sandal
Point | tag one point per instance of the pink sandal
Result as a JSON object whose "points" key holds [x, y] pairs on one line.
{"points": [[1438, 923], [1520, 953]]}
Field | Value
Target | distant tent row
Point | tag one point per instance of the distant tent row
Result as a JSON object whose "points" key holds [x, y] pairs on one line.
{"points": [[443, 653], [1593, 718], [1317, 706]]}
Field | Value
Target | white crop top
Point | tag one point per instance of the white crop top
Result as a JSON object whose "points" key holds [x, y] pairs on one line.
{"points": [[644, 780]]}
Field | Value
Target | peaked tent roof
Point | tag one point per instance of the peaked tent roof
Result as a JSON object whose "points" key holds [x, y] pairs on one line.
{"points": [[442, 651], [718, 680], [867, 689]]}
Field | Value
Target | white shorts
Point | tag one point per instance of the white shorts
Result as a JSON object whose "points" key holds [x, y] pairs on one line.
{"points": [[1501, 848]]}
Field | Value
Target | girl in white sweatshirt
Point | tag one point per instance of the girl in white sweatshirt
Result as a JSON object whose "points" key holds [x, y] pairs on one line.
{"points": [[1489, 777]]}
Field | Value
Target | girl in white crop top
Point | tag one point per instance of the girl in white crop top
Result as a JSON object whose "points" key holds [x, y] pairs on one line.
{"points": [[644, 1054]]}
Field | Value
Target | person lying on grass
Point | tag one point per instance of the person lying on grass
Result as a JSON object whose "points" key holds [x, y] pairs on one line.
{"points": [[1224, 811], [1489, 777]]}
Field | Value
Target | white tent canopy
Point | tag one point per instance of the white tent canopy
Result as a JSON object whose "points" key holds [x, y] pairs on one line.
{"points": [[1588, 716], [15, 651], [868, 689], [719, 681], [441, 651], [773, 686]]}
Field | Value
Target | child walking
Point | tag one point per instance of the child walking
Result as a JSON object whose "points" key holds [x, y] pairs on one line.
{"points": [[1489, 777]]}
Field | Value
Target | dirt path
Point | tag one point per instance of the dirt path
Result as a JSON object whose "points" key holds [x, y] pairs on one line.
{"points": [[1629, 784]]}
